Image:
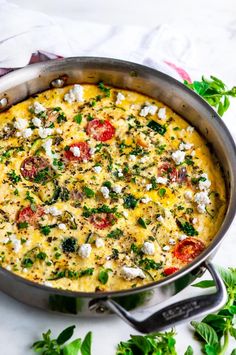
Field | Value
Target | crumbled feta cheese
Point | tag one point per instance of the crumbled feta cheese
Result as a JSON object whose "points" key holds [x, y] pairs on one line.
{"points": [[99, 242], [44, 132], [188, 195], [120, 174], [105, 191], [52, 210], [148, 109], [146, 199], [190, 129], [16, 243], [62, 226], [162, 113], [20, 124], [117, 189], [178, 156], [131, 273], [92, 150], [182, 237], [37, 108], [26, 133], [119, 98], [85, 250], [75, 151], [172, 241], [204, 185], [143, 159], [25, 270], [161, 180], [125, 214], [75, 94], [148, 187], [47, 145], [202, 198], [166, 248], [185, 146], [148, 248], [97, 169], [8, 267], [201, 208], [132, 157], [37, 122], [160, 219], [194, 220]]}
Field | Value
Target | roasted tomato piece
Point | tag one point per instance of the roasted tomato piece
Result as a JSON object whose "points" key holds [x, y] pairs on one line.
{"points": [[83, 152], [167, 170], [170, 270], [30, 216], [102, 220], [36, 169], [188, 249], [101, 130]]}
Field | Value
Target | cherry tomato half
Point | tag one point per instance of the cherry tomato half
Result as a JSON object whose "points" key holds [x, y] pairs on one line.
{"points": [[167, 170], [170, 270], [30, 216], [101, 130], [188, 249]]}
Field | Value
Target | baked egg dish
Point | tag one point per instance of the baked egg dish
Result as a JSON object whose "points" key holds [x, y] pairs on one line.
{"points": [[103, 189]]}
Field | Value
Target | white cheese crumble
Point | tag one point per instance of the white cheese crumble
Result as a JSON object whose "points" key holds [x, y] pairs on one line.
{"points": [[75, 94], [160, 219], [117, 189], [119, 98], [99, 242], [132, 157], [190, 129], [125, 214], [85, 250], [20, 124], [182, 237], [37, 107], [47, 145], [162, 113], [92, 150], [185, 146], [202, 199], [166, 248], [120, 174], [16, 243], [204, 185], [62, 226], [146, 199], [172, 241], [37, 122], [26, 133], [143, 159], [75, 151], [194, 220], [178, 156], [148, 109], [52, 210], [148, 187], [188, 195], [131, 273], [105, 191], [48, 283], [161, 180], [44, 132], [97, 169], [148, 248]]}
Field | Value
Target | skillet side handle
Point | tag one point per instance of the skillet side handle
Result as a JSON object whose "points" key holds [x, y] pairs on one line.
{"points": [[178, 312]]}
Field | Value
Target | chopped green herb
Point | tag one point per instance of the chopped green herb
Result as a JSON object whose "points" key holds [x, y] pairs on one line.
{"points": [[22, 225], [69, 245], [86, 272], [41, 256], [45, 230], [105, 90], [14, 177], [88, 192], [149, 264], [157, 127], [142, 223], [115, 234], [162, 192], [186, 227], [78, 118], [103, 276], [130, 202]]}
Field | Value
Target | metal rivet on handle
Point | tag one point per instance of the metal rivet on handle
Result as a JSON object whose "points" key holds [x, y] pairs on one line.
{"points": [[58, 83], [3, 102]]}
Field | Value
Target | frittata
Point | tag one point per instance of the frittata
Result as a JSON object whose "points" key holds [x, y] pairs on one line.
{"points": [[103, 189]]}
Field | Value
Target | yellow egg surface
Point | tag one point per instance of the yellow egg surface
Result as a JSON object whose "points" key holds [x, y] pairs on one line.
{"points": [[103, 189]]}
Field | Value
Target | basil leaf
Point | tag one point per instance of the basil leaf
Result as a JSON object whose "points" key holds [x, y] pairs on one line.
{"points": [[206, 332], [162, 192], [142, 223], [210, 350], [88, 192], [72, 348], [142, 343], [189, 351], [78, 118], [65, 335], [86, 344], [204, 284], [103, 276], [186, 227], [233, 352], [228, 276]]}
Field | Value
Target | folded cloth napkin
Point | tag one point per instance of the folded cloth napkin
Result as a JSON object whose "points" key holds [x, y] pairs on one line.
{"points": [[49, 37]]}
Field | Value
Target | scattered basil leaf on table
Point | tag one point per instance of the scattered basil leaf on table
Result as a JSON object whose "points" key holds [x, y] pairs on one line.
{"points": [[214, 91]]}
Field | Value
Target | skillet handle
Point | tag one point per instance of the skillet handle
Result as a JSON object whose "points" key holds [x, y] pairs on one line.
{"points": [[177, 312]]}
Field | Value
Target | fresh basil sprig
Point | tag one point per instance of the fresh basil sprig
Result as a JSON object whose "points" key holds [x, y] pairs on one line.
{"points": [[48, 346], [214, 91]]}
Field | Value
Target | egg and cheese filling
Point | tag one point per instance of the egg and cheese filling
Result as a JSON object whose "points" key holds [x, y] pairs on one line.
{"points": [[103, 189]]}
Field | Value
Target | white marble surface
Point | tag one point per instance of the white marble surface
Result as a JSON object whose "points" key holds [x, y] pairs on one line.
{"points": [[211, 25]]}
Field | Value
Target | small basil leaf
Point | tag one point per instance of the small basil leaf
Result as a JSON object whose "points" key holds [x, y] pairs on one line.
{"points": [[206, 332], [204, 284], [72, 348], [86, 344], [65, 335], [189, 351]]}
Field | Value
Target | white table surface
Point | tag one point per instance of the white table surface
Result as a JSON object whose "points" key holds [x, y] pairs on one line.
{"points": [[211, 25]]}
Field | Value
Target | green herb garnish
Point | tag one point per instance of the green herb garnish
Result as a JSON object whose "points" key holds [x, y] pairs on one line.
{"points": [[115, 234], [186, 227], [130, 202], [142, 223], [14, 177], [157, 127], [103, 88]]}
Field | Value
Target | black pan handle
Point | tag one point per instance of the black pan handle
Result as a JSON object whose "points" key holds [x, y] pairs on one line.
{"points": [[177, 312]]}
